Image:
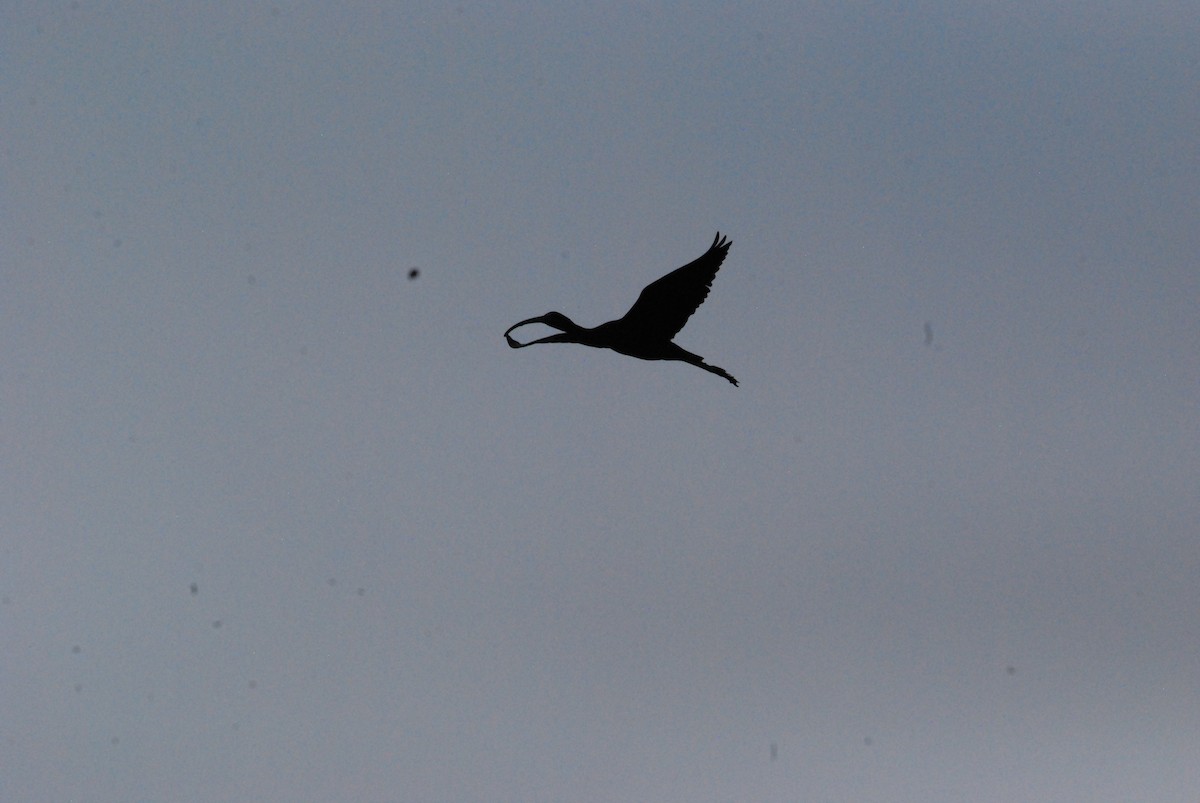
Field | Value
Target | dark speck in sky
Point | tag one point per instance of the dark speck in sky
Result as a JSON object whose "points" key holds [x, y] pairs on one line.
{"points": [[195, 589], [928, 333], [413, 273]]}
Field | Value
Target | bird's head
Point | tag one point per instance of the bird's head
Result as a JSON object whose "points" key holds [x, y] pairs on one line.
{"points": [[555, 320]]}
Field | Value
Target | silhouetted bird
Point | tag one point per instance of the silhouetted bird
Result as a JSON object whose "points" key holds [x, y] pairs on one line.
{"points": [[654, 319]]}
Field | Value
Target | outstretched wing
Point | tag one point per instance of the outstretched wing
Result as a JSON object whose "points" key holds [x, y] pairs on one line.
{"points": [[666, 304]]}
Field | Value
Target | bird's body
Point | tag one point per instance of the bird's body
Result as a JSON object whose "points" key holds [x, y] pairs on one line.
{"points": [[646, 331]]}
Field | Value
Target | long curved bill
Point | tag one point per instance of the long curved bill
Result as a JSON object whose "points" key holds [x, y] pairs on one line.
{"points": [[514, 344]]}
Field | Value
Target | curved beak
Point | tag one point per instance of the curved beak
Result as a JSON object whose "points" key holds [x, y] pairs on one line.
{"points": [[514, 344]]}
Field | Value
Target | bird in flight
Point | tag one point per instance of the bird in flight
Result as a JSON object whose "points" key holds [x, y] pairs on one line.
{"points": [[646, 331]]}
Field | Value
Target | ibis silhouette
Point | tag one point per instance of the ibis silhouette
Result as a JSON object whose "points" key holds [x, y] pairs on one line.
{"points": [[648, 329]]}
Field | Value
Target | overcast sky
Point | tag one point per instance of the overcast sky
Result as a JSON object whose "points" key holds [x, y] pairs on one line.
{"points": [[278, 522]]}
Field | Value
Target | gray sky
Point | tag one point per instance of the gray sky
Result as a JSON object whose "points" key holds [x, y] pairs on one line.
{"points": [[427, 567]]}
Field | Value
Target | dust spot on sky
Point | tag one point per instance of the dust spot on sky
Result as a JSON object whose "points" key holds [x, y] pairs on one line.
{"points": [[76, 650], [195, 589], [216, 624], [413, 273]]}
